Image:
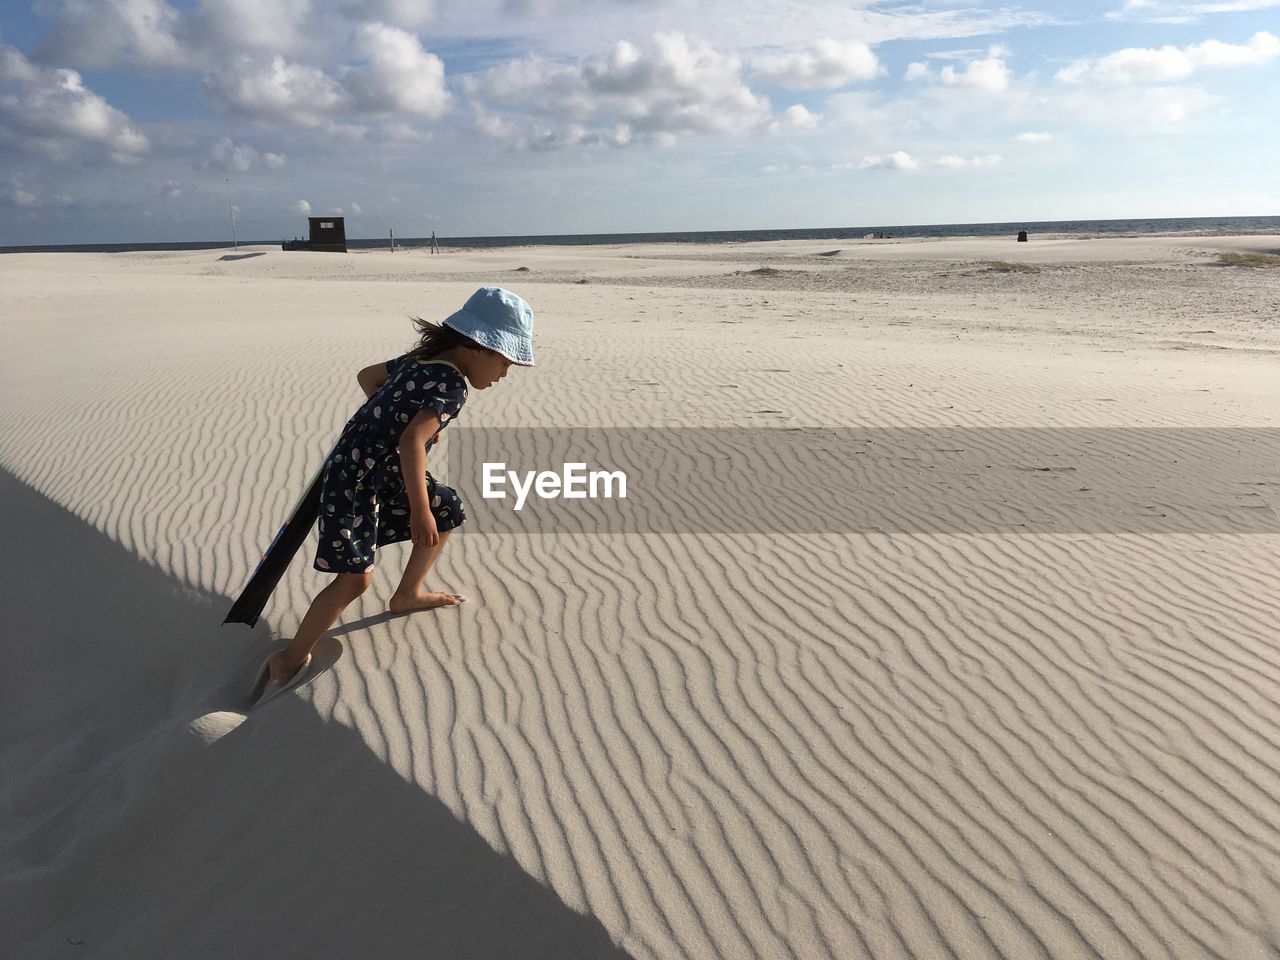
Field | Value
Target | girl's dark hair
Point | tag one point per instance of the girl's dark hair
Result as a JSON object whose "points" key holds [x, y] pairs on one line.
{"points": [[435, 338]]}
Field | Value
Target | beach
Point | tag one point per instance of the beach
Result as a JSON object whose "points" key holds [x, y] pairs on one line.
{"points": [[876, 740]]}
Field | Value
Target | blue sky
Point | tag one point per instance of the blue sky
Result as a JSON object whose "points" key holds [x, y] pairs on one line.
{"points": [[127, 120]]}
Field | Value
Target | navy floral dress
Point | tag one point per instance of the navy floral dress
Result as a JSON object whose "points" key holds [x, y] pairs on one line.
{"points": [[363, 501]]}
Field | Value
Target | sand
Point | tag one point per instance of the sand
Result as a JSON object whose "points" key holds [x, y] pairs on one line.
{"points": [[837, 743]]}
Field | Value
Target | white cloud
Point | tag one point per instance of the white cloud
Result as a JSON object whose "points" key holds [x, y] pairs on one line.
{"points": [[302, 207], [352, 132], [397, 131], [355, 209], [1133, 110], [955, 162], [1151, 65], [20, 197], [774, 169], [275, 90], [232, 157], [270, 26], [828, 63], [94, 34], [494, 125], [171, 189], [156, 35], [402, 13], [1032, 136], [54, 111], [898, 160], [400, 75], [1184, 11], [574, 28], [631, 94], [397, 75], [15, 67], [798, 116], [1262, 46], [987, 73]]}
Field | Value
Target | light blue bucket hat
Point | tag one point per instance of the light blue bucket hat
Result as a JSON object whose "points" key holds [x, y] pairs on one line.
{"points": [[497, 319]]}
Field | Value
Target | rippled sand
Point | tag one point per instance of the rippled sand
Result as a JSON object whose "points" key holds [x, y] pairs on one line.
{"points": [[665, 745]]}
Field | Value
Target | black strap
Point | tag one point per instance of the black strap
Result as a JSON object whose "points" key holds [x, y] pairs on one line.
{"points": [[253, 598]]}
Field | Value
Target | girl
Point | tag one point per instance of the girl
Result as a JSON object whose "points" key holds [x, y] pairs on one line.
{"points": [[376, 488]]}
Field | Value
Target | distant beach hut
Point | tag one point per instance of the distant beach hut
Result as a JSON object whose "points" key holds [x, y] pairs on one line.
{"points": [[1022, 236], [328, 233]]}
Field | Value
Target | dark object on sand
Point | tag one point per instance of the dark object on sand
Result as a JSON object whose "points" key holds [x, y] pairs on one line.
{"points": [[1022, 236], [253, 598], [327, 233]]}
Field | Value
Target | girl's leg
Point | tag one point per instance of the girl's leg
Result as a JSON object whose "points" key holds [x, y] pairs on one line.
{"points": [[325, 608], [410, 595]]}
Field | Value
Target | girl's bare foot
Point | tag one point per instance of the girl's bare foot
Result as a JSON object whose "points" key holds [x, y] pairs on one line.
{"points": [[280, 669], [423, 601]]}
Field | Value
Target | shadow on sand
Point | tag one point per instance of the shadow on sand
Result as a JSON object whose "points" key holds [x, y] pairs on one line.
{"points": [[125, 834]]}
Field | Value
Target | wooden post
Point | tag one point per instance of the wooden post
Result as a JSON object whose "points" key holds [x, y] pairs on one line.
{"points": [[393, 241]]}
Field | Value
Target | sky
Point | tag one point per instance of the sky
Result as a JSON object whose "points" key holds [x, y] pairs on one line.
{"points": [[160, 120]]}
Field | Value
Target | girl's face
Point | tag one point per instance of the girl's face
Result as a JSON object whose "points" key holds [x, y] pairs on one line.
{"points": [[487, 368]]}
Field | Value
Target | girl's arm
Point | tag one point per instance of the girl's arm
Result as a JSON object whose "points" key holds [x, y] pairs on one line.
{"points": [[371, 378]]}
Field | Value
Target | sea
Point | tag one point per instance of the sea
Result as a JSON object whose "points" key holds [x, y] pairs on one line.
{"points": [[1083, 228]]}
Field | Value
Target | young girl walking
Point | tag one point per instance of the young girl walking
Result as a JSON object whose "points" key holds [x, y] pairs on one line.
{"points": [[376, 488]]}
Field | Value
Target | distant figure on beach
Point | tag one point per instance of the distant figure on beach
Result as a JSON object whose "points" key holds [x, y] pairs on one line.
{"points": [[435, 247], [1022, 236], [376, 488]]}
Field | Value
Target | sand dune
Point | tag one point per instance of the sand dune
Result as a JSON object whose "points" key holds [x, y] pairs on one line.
{"points": [[837, 743]]}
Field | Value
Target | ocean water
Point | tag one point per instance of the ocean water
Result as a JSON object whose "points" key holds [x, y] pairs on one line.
{"points": [[1218, 225]]}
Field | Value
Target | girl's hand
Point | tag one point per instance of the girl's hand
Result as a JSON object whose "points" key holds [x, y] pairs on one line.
{"points": [[422, 529]]}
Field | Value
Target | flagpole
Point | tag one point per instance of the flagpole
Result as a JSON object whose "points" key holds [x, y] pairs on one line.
{"points": [[232, 213]]}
